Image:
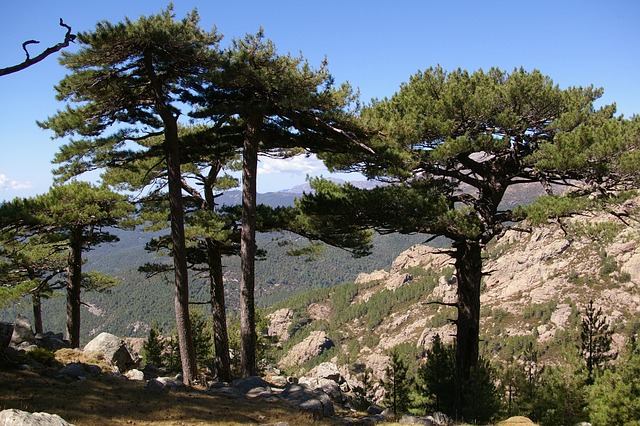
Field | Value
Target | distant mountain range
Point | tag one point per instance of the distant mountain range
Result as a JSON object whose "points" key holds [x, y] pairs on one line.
{"points": [[285, 197]]}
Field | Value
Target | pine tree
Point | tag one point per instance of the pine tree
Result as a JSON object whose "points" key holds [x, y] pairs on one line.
{"points": [[437, 377], [153, 347], [596, 338], [285, 107], [124, 86], [453, 143], [397, 384]]}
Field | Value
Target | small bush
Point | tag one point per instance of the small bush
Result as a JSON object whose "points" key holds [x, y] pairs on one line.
{"points": [[42, 356]]}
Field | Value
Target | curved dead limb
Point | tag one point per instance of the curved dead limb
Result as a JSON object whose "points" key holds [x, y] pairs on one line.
{"points": [[68, 38]]}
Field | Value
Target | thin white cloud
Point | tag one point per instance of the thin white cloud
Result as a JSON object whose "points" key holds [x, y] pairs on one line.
{"points": [[299, 165], [7, 184]]}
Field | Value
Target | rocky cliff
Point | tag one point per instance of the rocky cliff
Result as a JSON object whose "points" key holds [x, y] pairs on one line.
{"points": [[539, 281]]}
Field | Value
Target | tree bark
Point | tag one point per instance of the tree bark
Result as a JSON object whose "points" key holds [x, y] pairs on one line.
{"points": [[218, 311], [248, 336], [37, 313], [468, 263], [74, 286], [179, 251]]}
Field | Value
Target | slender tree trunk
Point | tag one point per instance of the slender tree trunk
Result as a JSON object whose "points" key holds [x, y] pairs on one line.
{"points": [[218, 311], [181, 300], [468, 265], [74, 284], [37, 313], [248, 336]]}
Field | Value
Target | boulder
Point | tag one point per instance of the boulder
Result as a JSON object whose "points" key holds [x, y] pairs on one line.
{"points": [[163, 384], [329, 371], [245, 385], [113, 349], [15, 417], [134, 375], [74, 370], [413, 420], [22, 331], [315, 402]]}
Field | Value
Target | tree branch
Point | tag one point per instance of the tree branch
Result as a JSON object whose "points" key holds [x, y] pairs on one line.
{"points": [[68, 38]]}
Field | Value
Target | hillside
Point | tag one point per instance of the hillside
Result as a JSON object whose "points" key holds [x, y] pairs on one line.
{"points": [[538, 284]]}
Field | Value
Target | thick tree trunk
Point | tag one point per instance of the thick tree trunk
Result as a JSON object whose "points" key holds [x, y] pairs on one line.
{"points": [[181, 300], [37, 313], [468, 265], [74, 287], [248, 336], [219, 314]]}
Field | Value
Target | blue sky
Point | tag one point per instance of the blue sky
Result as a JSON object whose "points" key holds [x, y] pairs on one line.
{"points": [[375, 45]]}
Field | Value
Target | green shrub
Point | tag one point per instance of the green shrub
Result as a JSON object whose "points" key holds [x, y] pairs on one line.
{"points": [[42, 356]]}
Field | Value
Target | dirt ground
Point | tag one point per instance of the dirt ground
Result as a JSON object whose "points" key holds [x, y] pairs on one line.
{"points": [[109, 400]]}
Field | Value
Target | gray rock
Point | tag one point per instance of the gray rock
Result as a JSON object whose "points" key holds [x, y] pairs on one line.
{"points": [[22, 331], [163, 384], [441, 419], [75, 370], [413, 420], [15, 417], [259, 392], [374, 409], [329, 371], [313, 401], [53, 344], [134, 375], [113, 349], [248, 383], [279, 381]]}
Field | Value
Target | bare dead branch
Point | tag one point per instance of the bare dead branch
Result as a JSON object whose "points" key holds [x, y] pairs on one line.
{"points": [[68, 38]]}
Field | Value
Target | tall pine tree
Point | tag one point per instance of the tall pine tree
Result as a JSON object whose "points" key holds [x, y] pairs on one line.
{"points": [[124, 86], [452, 143]]}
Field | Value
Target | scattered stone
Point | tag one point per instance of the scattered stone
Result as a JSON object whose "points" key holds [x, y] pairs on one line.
{"points": [[248, 383], [413, 420], [23, 418], [388, 414], [311, 401], [329, 371], [163, 384], [151, 372], [74, 370], [134, 375], [440, 419], [375, 409]]}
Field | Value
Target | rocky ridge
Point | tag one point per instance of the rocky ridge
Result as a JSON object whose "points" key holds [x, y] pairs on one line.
{"points": [[539, 282]]}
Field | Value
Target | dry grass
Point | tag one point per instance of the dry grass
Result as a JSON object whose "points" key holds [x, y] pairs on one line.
{"points": [[110, 400]]}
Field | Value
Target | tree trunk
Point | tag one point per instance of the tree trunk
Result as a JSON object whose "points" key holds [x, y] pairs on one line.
{"points": [[74, 284], [218, 311], [37, 313], [468, 265], [248, 336], [181, 300]]}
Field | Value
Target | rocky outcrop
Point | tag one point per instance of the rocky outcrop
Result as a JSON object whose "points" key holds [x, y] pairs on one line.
{"points": [[22, 332], [113, 349], [316, 343], [15, 417], [279, 322]]}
